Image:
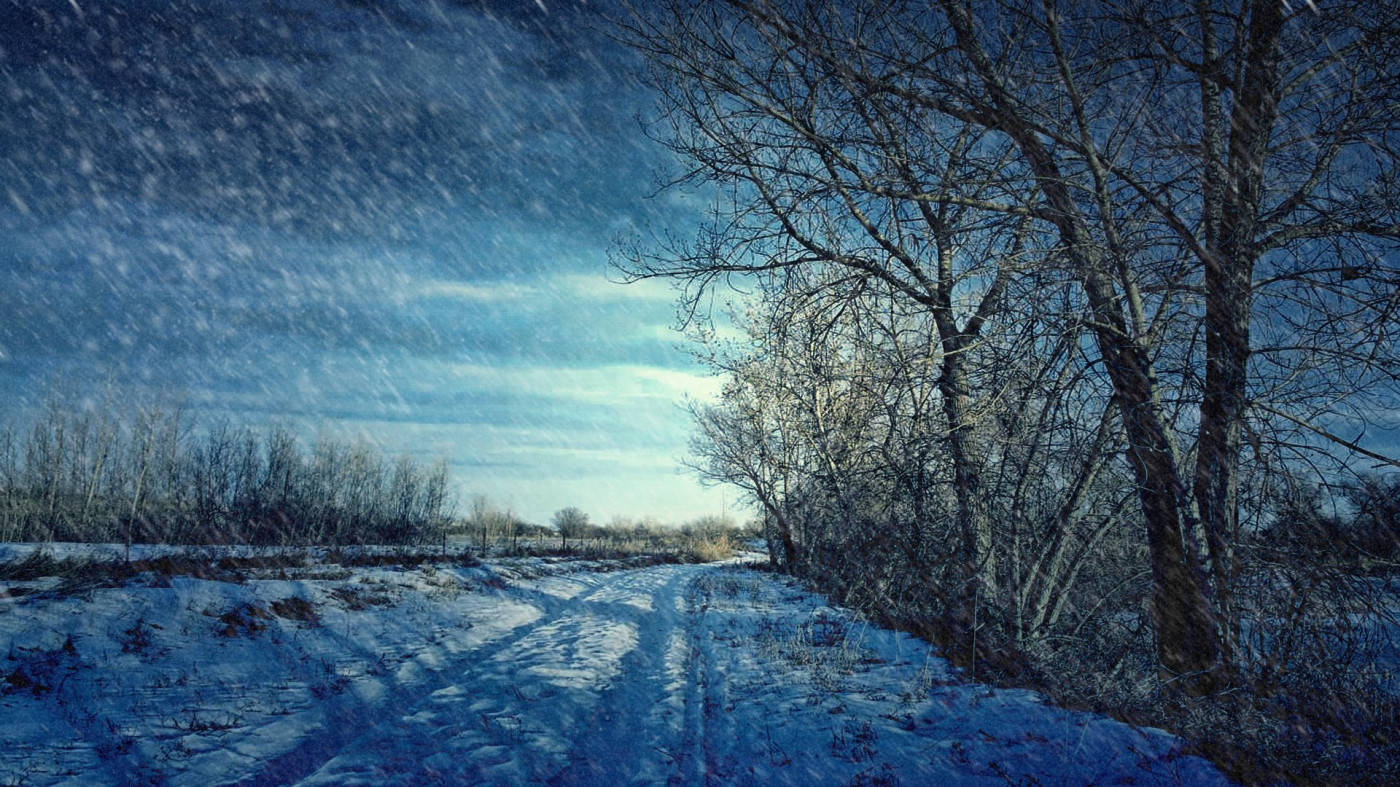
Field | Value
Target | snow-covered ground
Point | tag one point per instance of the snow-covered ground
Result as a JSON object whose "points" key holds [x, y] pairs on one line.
{"points": [[516, 672]]}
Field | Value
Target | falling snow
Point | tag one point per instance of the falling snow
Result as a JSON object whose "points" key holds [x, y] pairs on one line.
{"points": [[389, 221]]}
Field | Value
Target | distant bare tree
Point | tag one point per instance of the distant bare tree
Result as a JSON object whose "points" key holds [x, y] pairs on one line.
{"points": [[11, 517], [570, 522], [480, 517]]}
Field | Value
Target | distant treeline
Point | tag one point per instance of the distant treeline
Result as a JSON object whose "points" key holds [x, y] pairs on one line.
{"points": [[152, 475], [492, 529]]}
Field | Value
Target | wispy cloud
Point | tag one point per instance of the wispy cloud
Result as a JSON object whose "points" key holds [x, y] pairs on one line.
{"points": [[697, 386], [482, 291], [583, 286], [597, 287], [602, 384]]}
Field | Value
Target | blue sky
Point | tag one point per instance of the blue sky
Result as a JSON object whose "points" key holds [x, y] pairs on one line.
{"points": [[375, 219]]}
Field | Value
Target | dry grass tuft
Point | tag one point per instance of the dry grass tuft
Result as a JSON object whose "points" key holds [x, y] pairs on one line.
{"points": [[711, 549]]}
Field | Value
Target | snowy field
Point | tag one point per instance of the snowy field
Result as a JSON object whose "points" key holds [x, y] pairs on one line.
{"points": [[514, 672]]}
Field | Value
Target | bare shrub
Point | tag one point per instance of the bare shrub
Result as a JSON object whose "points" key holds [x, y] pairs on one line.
{"points": [[149, 475]]}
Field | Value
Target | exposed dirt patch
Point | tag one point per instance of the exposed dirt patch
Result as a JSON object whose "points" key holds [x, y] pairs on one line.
{"points": [[246, 620], [294, 608]]}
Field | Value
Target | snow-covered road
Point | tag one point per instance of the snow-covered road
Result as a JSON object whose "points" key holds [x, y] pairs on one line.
{"points": [[581, 694], [662, 675]]}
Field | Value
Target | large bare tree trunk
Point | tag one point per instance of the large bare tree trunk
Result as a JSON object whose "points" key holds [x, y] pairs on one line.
{"points": [[966, 456], [1229, 268], [1188, 639]]}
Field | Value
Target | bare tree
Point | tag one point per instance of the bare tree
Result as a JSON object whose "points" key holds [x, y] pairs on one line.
{"points": [[143, 447], [570, 522], [11, 517], [104, 440], [1160, 157], [480, 518]]}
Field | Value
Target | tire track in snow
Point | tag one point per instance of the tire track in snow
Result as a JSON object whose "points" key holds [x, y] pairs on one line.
{"points": [[698, 766], [500, 712], [633, 735], [717, 708], [343, 724]]}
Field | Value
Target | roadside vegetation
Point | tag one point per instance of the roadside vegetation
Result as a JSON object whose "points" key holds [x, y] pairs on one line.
{"points": [[91, 472], [1064, 335], [88, 473], [496, 531]]}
